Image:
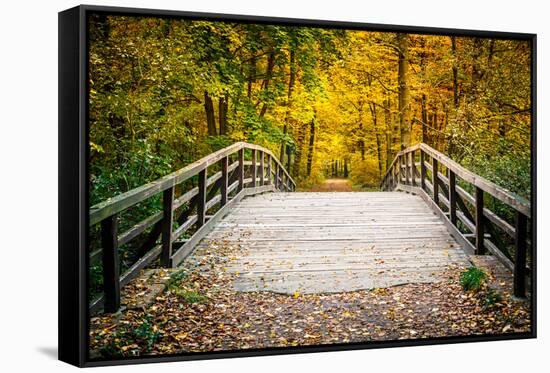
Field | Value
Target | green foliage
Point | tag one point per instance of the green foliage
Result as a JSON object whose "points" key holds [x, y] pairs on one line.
{"points": [[189, 296], [472, 279]]}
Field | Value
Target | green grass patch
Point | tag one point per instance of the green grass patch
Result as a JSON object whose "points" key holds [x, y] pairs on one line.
{"points": [[472, 279]]}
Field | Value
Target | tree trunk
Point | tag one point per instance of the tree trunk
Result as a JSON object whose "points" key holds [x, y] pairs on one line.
{"points": [[455, 71], [210, 118], [291, 81], [372, 107], [268, 76], [389, 139], [298, 151], [311, 146], [346, 173], [404, 93]]}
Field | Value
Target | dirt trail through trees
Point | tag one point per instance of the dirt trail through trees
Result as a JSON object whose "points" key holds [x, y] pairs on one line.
{"points": [[333, 185]]}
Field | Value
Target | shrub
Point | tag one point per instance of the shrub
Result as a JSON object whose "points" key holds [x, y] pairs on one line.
{"points": [[472, 279]]}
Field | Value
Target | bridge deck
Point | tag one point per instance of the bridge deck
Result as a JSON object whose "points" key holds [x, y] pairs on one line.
{"points": [[334, 242]]}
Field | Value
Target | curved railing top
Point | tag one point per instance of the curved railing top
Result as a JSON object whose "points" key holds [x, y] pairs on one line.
{"points": [[125, 200], [504, 195]]}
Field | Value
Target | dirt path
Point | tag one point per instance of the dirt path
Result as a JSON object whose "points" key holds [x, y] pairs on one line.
{"points": [[333, 185]]}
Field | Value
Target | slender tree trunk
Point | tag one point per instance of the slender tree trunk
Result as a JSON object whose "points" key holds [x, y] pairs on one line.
{"points": [[291, 81], [268, 76], [455, 71], [372, 107], [346, 173], [389, 139], [311, 146], [404, 93], [298, 151], [210, 118]]}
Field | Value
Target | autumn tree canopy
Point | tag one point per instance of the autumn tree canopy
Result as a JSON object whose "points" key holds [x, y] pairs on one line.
{"points": [[165, 92]]}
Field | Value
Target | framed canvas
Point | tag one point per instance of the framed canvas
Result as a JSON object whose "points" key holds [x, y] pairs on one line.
{"points": [[237, 186]]}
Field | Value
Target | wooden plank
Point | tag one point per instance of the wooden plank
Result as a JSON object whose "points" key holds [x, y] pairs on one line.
{"points": [[167, 221], [435, 183], [261, 170], [111, 283], [480, 226], [139, 228], [521, 255], [224, 180], [452, 196], [201, 199], [254, 168], [241, 169], [184, 227]]}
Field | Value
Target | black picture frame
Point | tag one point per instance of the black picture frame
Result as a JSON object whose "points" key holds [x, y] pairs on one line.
{"points": [[73, 182]]}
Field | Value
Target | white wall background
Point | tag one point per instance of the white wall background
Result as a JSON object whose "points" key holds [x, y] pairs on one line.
{"points": [[28, 183]]}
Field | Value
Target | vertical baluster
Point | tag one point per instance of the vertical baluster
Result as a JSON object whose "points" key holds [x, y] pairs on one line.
{"points": [[413, 168], [111, 280], [224, 181], [452, 196], [480, 228], [521, 255], [435, 178], [201, 199], [241, 169], [422, 170], [407, 168], [262, 165], [167, 221], [254, 169], [269, 176], [276, 176]]}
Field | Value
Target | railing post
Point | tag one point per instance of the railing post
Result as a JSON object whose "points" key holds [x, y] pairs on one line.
{"points": [[269, 169], [167, 221], [413, 169], [241, 169], [111, 276], [254, 170], [452, 196], [435, 178], [201, 199], [480, 229], [224, 181], [276, 176], [422, 171], [262, 165], [521, 255], [406, 157]]}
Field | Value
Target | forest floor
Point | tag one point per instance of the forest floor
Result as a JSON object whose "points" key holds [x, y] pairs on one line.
{"points": [[201, 311], [332, 185]]}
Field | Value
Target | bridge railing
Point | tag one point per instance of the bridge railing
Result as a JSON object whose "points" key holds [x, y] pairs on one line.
{"points": [[445, 185], [182, 211]]}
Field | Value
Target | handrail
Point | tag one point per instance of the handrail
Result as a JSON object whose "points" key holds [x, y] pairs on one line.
{"points": [[266, 176], [402, 174], [504, 195], [122, 201]]}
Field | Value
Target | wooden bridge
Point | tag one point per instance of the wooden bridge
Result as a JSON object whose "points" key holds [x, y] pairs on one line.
{"points": [[430, 214]]}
